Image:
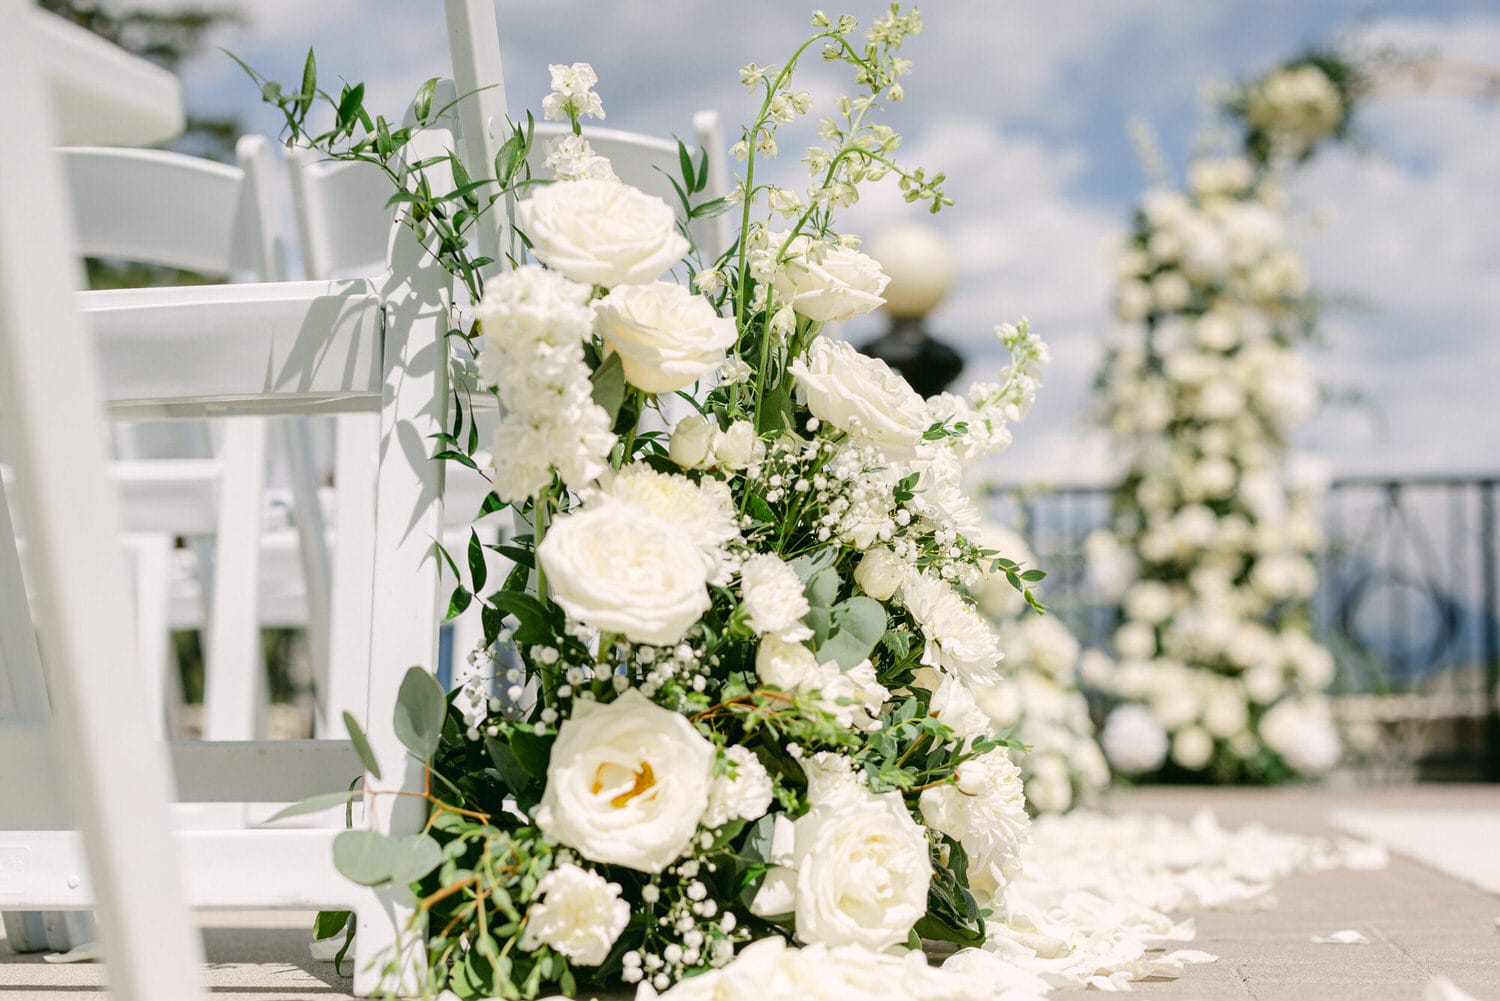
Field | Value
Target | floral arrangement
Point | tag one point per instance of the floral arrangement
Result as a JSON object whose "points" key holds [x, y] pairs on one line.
{"points": [[1040, 699], [728, 694], [1210, 552]]}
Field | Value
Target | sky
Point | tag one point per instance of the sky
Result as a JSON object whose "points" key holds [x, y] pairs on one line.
{"points": [[1026, 105]]}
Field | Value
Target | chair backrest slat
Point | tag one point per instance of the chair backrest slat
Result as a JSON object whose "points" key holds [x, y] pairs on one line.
{"points": [[159, 207]]}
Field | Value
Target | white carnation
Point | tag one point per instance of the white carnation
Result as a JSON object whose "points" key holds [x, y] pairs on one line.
{"points": [[774, 598], [742, 792], [577, 912]]}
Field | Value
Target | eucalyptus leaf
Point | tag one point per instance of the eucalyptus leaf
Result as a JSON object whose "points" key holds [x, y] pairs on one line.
{"points": [[859, 623], [313, 804], [420, 709], [420, 854], [609, 385], [361, 746], [368, 858]]}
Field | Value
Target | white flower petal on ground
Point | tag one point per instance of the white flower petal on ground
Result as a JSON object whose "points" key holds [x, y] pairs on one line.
{"points": [[627, 783]]}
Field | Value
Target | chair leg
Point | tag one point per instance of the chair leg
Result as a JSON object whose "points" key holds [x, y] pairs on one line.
{"points": [[153, 562], [343, 678], [234, 691], [312, 536]]}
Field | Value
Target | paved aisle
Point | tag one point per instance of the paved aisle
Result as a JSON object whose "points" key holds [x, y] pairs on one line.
{"points": [[1420, 923]]}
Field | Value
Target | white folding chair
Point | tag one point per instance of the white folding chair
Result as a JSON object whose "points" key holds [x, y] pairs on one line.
{"points": [[79, 727], [179, 211]]}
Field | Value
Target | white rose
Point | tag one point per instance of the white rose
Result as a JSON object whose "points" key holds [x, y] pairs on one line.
{"points": [[666, 337], [774, 598], [984, 810], [615, 568], [627, 783], [795, 669], [862, 396], [577, 912], [692, 441], [1302, 732], [958, 638], [827, 282], [601, 232], [738, 447], [880, 573], [862, 871], [742, 792], [1133, 740]]}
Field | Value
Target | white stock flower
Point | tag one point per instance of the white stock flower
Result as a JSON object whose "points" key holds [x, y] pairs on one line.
{"points": [[627, 783], [774, 598], [571, 158], [578, 913], [667, 338], [825, 282], [534, 323], [861, 396], [572, 86], [957, 637], [743, 792], [984, 810], [620, 570], [1133, 740], [601, 232]]}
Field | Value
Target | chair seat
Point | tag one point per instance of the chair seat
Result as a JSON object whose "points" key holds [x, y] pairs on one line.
{"points": [[223, 350]]}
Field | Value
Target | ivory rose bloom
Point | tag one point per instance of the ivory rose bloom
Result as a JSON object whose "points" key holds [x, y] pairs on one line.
{"points": [[880, 573], [860, 863], [627, 783], [666, 337], [578, 912], [826, 282], [861, 395], [703, 512], [621, 570], [601, 232]]}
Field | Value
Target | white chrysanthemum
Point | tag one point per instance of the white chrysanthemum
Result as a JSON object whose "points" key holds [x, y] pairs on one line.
{"points": [[958, 638], [703, 512], [984, 810], [774, 598], [743, 792], [577, 912]]}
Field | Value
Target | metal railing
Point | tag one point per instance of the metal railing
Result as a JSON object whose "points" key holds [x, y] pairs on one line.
{"points": [[1408, 598]]}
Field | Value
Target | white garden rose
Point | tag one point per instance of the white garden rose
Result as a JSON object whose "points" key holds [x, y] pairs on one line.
{"points": [[666, 337], [577, 912], [984, 810], [774, 598], [793, 668], [958, 638], [861, 866], [702, 511], [692, 441], [738, 446], [742, 792], [601, 232], [862, 396], [620, 570], [825, 282], [627, 783]]}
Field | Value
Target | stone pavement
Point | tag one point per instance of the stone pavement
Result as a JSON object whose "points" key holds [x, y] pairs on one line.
{"points": [[1420, 923]]}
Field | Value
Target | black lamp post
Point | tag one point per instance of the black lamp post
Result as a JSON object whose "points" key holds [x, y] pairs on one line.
{"points": [[921, 270]]}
